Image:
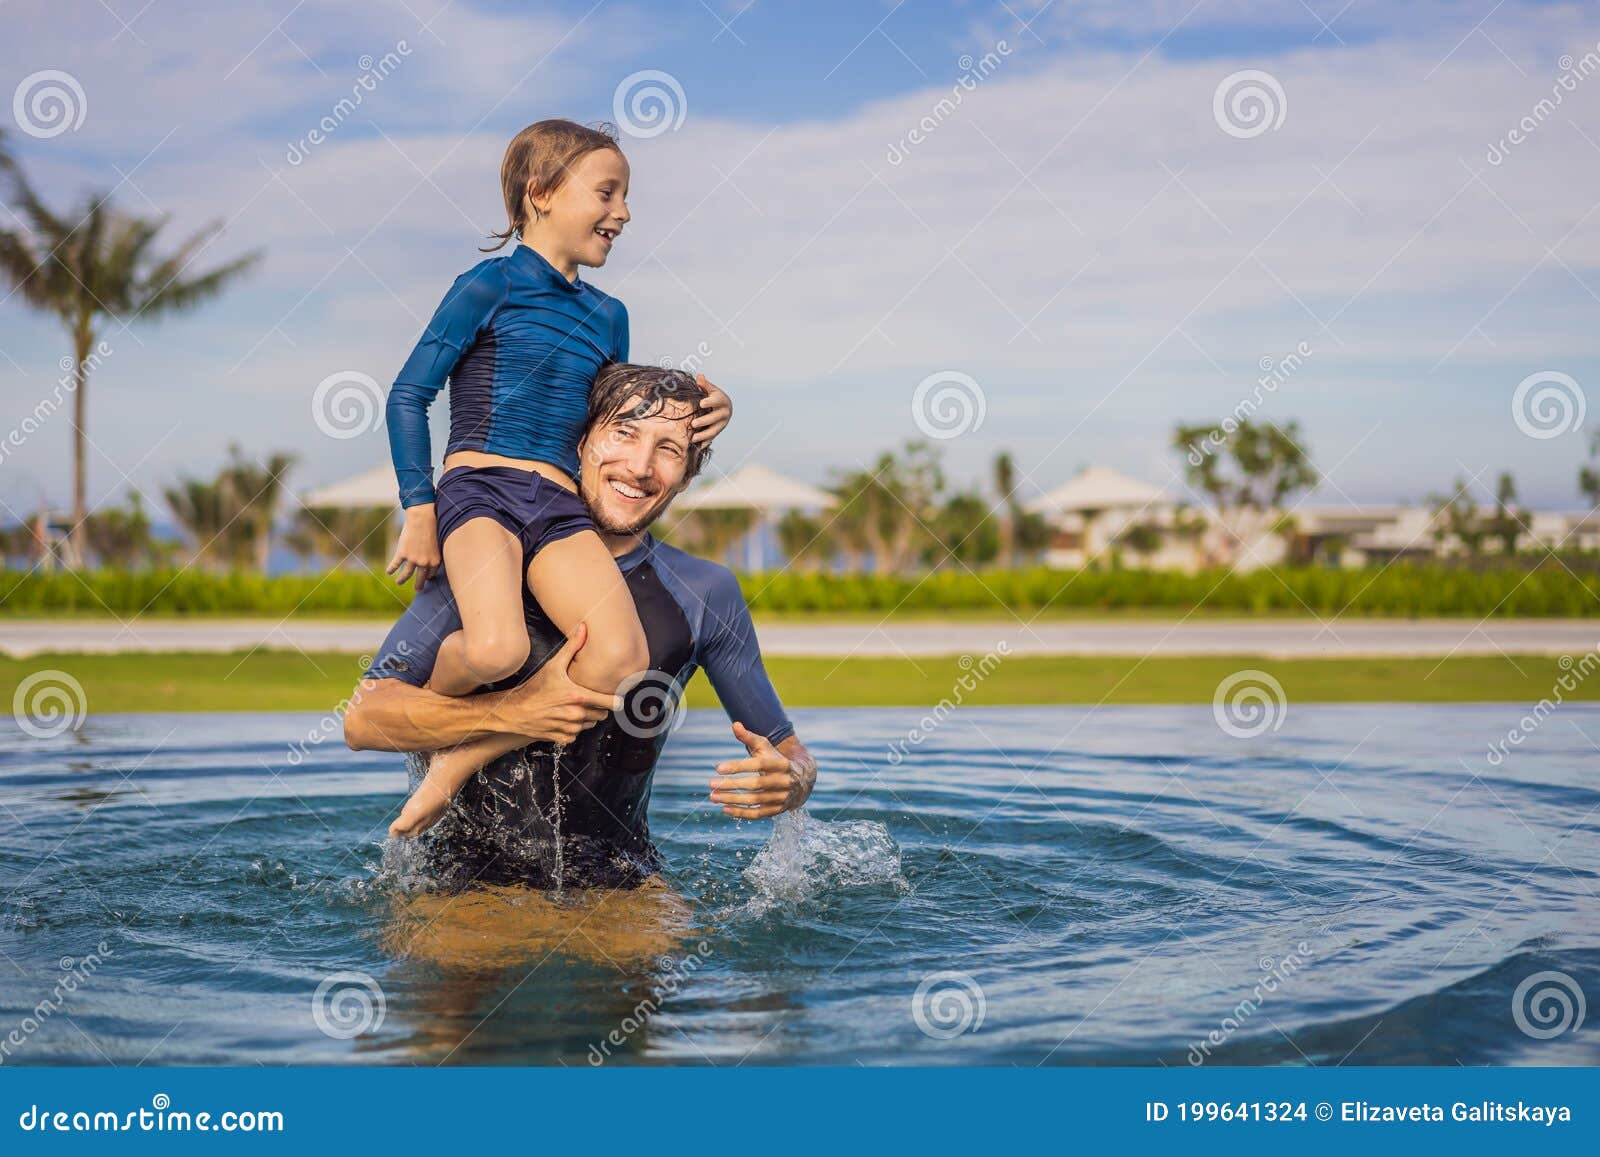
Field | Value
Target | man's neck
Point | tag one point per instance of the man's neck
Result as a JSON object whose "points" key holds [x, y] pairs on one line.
{"points": [[621, 544]]}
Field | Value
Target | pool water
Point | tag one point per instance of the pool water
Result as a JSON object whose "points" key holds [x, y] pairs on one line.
{"points": [[1054, 886]]}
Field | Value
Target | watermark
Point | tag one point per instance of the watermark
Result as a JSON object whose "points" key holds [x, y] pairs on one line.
{"points": [[948, 404], [332, 723], [45, 408], [1548, 404], [49, 703], [48, 103], [673, 971], [348, 1004], [1572, 72], [1547, 1004], [1248, 103], [1249, 703], [973, 72], [947, 1004], [652, 704], [693, 364], [649, 103], [1274, 974], [156, 1119], [974, 672], [1273, 375], [1573, 674], [373, 72], [74, 973], [347, 404]]}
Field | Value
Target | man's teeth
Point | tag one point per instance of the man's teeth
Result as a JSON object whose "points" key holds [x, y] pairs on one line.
{"points": [[627, 491], [608, 234]]}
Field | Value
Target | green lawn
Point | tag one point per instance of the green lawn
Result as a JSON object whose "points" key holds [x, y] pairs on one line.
{"points": [[290, 681]]}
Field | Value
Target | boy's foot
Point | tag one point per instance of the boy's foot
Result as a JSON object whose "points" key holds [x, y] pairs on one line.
{"points": [[425, 808]]}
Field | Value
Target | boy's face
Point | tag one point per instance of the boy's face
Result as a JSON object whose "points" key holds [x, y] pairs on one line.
{"points": [[632, 469]]}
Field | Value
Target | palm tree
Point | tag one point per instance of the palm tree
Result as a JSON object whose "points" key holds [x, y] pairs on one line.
{"points": [[97, 265], [230, 519]]}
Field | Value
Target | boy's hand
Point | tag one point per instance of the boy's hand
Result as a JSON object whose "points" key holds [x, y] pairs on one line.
{"points": [[716, 409], [418, 550]]}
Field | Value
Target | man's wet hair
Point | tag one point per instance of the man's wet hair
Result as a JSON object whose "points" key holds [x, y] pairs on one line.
{"points": [[619, 383]]}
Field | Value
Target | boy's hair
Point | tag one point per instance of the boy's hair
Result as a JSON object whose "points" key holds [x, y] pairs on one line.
{"points": [[618, 383], [538, 160]]}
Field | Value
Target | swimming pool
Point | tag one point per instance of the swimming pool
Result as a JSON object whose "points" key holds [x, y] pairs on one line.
{"points": [[1049, 886]]}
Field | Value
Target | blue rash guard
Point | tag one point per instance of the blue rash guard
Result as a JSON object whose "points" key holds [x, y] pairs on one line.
{"points": [[520, 346], [501, 827]]}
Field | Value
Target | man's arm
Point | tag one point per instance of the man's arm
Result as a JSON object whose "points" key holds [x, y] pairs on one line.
{"points": [[392, 715], [778, 773]]}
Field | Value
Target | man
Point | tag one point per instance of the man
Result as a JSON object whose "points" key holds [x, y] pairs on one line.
{"points": [[586, 801]]}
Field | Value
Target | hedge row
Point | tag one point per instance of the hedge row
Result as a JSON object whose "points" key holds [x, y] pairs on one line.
{"points": [[1402, 591], [1546, 592]]}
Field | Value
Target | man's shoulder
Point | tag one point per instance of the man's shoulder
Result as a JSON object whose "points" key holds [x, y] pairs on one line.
{"points": [[706, 580]]}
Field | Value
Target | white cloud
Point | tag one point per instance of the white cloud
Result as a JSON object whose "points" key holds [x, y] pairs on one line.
{"points": [[1095, 293]]}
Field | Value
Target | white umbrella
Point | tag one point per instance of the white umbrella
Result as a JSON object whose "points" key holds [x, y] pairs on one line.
{"points": [[758, 488], [375, 487]]}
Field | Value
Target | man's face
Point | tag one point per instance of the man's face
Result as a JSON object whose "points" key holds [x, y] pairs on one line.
{"points": [[632, 469]]}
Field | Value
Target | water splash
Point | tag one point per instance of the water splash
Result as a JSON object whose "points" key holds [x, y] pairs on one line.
{"points": [[557, 751], [807, 858]]}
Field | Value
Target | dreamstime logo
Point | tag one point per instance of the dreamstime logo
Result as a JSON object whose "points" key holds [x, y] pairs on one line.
{"points": [[74, 973], [1572, 72], [947, 1004], [348, 1004], [372, 73], [1274, 974], [1273, 375], [649, 103], [1547, 1004], [1547, 404], [45, 408], [49, 103], [347, 404], [652, 703], [948, 404], [974, 672], [973, 72], [1249, 703], [1573, 673], [49, 703], [671, 973], [1248, 103]]}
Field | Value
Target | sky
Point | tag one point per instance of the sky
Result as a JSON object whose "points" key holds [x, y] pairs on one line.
{"points": [[1053, 229]]}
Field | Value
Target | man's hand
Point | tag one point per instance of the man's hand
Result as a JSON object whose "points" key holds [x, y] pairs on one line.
{"points": [[768, 782], [550, 705]]}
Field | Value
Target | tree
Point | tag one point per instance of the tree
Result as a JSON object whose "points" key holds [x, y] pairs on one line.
{"points": [[93, 266], [884, 513], [1248, 477], [121, 537], [966, 531], [1507, 522], [1589, 477], [712, 532], [230, 518], [803, 539], [1022, 532], [1268, 464], [350, 537], [1456, 516]]}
